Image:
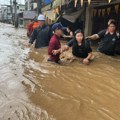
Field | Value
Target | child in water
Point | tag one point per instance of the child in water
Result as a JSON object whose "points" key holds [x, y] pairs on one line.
{"points": [[80, 48]]}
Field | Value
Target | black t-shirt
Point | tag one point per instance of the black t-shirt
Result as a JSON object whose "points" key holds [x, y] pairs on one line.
{"points": [[107, 42], [42, 36], [80, 51]]}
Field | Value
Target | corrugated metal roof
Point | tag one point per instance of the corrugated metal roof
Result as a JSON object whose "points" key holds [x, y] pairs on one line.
{"points": [[29, 14], [73, 16]]}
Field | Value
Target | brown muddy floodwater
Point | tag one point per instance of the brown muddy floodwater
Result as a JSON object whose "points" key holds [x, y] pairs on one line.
{"points": [[33, 89]]}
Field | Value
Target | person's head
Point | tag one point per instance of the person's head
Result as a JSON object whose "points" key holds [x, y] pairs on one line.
{"points": [[79, 35], [58, 29], [111, 25], [30, 21], [69, 29], [41, 20], [35, 19]]}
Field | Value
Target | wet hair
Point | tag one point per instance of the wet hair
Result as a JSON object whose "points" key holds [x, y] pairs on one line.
{"points": [[78, 31], [111, 21], [70, 28]]}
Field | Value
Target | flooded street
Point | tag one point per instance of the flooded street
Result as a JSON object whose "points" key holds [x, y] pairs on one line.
{"points": [[33, 89]]}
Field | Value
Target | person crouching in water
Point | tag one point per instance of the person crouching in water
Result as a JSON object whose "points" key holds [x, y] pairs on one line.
{"points": [[80, 48], [54, 43]]}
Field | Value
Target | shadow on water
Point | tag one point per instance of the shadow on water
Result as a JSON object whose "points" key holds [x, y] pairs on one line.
{"points": [[33, 89]]}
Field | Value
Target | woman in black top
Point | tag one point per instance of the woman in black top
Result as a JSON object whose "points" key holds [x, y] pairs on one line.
{"points": [[80, 47], [69, 34]]}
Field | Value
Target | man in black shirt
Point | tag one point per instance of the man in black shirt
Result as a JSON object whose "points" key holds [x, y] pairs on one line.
{"points": [[42, 34], [108, 39]]}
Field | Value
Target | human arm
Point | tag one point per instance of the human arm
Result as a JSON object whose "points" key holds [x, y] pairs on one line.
{"points": [[64, 48], [61, 50], [93, 37], [97, 36], [71, 33], [69, 36], [89, 51], [86, 60], [33, 37]]}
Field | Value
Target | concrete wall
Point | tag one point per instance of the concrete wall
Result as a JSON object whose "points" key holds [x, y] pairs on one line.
{"points": [[5, 14]]}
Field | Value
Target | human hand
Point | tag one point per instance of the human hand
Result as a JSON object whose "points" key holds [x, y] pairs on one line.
{"points": [[29, 45], [88, 37], [64, 35], [61, 50], [54, 52], [85, 61]]}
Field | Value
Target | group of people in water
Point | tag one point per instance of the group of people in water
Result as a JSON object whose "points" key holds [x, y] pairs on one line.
{"points": [[44, 35]]}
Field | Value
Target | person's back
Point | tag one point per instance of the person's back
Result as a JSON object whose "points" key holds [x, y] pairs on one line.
{"points": [[42, 36]]}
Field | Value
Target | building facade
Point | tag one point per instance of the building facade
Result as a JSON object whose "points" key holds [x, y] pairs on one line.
{"points": [[30, 5], [6, 14]]}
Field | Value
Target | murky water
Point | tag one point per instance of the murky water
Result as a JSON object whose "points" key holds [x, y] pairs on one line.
{"points": [[33, 89]]}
